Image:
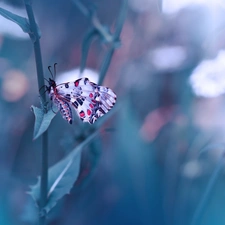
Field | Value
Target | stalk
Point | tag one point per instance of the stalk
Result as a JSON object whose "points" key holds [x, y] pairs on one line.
{"points": [[206, 195], [40, 77]]}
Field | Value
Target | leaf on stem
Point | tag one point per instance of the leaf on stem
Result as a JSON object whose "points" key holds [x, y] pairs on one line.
{"points": [[42, 121], [61, 177], [21, 21]]}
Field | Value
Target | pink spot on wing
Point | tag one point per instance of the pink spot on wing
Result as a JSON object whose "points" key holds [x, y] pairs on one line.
{"points": [[89, 112], [82, 114], [91, 106], [91, 95], [76, 83]]}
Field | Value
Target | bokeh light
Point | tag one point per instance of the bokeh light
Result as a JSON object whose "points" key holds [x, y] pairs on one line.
{"points": [[14, 85], [75, 74], [173, 6], [168, 57], [9, 28], [208, 80], [147, 164]]}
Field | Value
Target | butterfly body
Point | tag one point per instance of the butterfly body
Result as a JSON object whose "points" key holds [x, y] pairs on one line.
{"points": [[89, 100]]}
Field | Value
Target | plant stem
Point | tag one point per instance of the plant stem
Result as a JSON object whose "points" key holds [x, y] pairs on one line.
{"points": [[105, 34], [37, 49], [118, 29], [86, 46], [95, 21], [105, 64], [40, 76], [202, 204]]}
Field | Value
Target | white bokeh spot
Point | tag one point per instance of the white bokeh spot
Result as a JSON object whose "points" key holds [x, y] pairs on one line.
{"points": [[173, 6], [208, 78], [167, 57], [73, 75], [9, 28]]}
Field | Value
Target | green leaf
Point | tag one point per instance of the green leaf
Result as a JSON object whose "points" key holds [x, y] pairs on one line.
{"points": [[21, 21], [42, 121], [61, 177]]}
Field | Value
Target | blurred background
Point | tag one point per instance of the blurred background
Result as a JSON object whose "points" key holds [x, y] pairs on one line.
{"points": [[159, 158]]}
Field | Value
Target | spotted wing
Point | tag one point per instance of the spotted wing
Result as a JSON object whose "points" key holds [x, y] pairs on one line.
{"points": [[90, 100]]}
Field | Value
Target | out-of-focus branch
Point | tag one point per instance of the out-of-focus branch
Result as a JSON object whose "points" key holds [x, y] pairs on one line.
{"points": [[94, 21], [104, 33]]}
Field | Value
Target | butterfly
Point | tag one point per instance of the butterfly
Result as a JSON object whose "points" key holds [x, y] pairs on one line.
{"points": [[89, 100]]}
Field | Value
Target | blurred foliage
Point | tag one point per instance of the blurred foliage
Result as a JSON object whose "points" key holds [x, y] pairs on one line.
{"points": [[147, 166]]}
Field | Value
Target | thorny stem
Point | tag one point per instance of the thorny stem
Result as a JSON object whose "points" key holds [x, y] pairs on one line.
{"points": [[40, 76]]}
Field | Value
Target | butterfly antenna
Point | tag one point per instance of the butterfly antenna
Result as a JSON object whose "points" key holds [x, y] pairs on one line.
{"points": [[52, 108], [49, 69], [55, 70], [44, 86]]}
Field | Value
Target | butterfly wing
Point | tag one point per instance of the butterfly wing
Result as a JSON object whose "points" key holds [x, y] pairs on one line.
{"points": [[90, 100]]}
